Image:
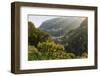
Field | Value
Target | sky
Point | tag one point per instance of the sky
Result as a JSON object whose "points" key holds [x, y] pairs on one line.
{"points": [[38, 20]]}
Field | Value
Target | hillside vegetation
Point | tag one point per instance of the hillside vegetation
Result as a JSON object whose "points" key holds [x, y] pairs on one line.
{"points": [[45, 43]]}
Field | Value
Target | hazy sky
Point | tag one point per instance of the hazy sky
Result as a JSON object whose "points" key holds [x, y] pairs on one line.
{"points": [[37, 20]]}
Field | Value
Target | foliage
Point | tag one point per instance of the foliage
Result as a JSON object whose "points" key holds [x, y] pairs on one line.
{"points": [[48, 50], [51, 50], [35, 35], [50, 46], [33, 53], [84, 55]]}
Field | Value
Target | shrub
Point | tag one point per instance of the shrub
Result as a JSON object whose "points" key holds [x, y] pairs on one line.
{"points": [[51, 50], [33, 53], [84, 55]]}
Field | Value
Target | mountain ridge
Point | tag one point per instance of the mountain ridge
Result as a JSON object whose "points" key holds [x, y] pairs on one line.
{"points": [[60, 25]]}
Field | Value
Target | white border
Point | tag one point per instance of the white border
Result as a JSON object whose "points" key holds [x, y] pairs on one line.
{"points": [[25, 64]]}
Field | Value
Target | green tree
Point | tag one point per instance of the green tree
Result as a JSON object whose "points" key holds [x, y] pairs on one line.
{"points": [[35, 35], [51, 50], [31, 33]]}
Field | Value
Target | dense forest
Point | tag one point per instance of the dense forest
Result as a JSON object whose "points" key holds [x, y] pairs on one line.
{"points": [[44, 45]]}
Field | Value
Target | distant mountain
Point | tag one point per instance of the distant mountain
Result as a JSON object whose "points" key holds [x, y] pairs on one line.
{"points": [[58, 26], [69, 31]]}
